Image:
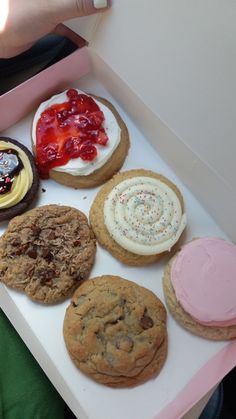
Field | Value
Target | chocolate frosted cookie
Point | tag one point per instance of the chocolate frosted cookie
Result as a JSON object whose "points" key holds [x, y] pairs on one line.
{"points": [[115, 331], [19, 179], [47, 252]]}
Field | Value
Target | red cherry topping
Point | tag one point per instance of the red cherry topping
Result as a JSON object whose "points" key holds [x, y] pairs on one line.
{"points": [[88, 152], [102, 138], [69, 130], [72, 147], [72, 94]]}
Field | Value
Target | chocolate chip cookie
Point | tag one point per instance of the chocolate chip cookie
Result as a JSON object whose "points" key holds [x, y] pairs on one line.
{"points": [[47, 252], [115, 331]]}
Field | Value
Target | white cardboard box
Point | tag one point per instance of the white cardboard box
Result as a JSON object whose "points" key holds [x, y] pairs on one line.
{"points": [[194, 365]]}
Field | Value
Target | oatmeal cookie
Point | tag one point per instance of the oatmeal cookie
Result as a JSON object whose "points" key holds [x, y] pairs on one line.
{"points": [[47, 252], [115, 331]]}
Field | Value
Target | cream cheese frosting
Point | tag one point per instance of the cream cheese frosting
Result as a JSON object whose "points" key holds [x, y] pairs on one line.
{"points": [[203, 275], [77, 166], [144, 215], [21, 183]]}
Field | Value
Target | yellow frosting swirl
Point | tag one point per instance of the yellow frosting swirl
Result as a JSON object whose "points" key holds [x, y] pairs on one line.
{"points": [[21, 183]]}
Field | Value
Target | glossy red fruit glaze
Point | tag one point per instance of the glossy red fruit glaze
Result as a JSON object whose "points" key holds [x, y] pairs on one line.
{"points": [[67, 131], [88, 152], [72, 93]]}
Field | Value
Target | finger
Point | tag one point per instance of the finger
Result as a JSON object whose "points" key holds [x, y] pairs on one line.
{"points": [[88, 7]]}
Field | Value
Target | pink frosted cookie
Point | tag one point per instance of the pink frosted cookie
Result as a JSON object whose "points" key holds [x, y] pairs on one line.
{"points": [[200, 287]]}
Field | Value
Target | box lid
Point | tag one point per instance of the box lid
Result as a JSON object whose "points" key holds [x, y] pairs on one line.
{"points": [[179, 58]]}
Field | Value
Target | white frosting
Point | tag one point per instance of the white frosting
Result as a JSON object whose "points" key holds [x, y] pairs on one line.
{"points": [[77, 166], [144, 215]]}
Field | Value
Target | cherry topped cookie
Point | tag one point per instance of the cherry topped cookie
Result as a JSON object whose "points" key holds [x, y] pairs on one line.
{"points": [[79, 140], [19, 179]]}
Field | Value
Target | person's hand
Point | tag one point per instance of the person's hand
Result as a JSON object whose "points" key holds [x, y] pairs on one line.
{"points": [[23, 22]]}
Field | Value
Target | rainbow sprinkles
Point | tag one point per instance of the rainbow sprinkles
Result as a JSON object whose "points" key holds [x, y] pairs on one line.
{"points": [[144, 215]]}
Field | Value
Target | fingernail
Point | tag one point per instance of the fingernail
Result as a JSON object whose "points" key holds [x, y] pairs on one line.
{"points": [[100, 4]]}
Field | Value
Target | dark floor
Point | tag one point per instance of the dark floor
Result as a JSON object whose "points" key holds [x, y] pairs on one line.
{"points": [[229, 404], [222, 405]]}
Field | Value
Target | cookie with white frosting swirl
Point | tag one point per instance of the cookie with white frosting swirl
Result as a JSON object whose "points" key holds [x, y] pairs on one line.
{"points": [[138, 216]]}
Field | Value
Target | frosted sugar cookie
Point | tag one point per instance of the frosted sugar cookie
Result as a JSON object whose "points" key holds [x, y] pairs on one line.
{"points": [[79, 140], [199, 287], [19, 179], [138, 216], [115, 331]]}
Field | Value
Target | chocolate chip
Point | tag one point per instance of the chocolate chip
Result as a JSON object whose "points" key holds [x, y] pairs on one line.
{"points": [[21, 249], [32, 252], [146, 322], [35, 229], [45, 276], [43, 190], [47, 254], [51, 235], [48, 282], [76, 243]]}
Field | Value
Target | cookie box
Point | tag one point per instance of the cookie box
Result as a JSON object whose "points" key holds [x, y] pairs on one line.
{"points": [[155, 113], [46, 82]]}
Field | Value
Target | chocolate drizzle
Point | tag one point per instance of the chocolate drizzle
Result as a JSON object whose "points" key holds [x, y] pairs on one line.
{"points": [[10, 166]]}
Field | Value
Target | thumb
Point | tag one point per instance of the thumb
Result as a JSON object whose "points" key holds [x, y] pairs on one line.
{"points": [[88, 7]]}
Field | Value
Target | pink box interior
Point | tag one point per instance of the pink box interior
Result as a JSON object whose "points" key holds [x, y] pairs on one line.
{"points": [[21, 100]]}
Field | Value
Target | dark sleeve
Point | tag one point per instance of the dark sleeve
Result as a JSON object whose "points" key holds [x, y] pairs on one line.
{"points": [[25, 391]]}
